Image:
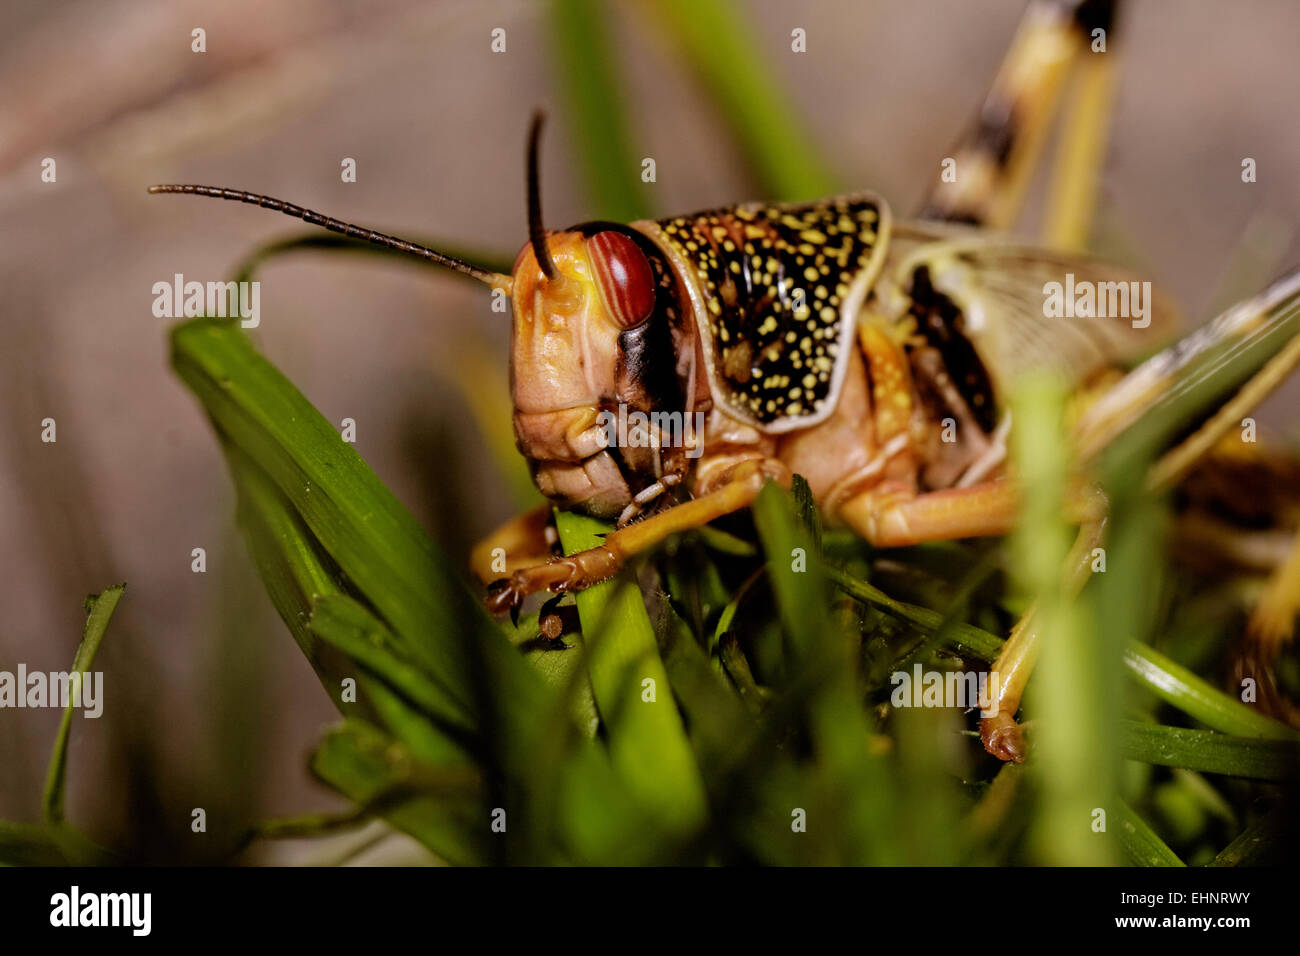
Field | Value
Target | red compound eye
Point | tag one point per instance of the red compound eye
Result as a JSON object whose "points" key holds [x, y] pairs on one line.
{"points": [[624, 276]]}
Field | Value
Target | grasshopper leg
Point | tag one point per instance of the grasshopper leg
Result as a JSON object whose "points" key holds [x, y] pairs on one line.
{"points": [[980, 510], [1001, 735], [524, 540], [997, 159], [736, 490], [985, 509]]}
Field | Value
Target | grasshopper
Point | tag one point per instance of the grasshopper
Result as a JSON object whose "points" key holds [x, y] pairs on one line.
{"points": [[827, 339]]}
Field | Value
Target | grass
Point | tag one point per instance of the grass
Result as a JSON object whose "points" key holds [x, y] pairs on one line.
{"points": [[728, 707], [717, 706]]}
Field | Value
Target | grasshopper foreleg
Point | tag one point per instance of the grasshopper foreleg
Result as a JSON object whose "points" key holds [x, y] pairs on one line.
{"points": [[737, 489]]}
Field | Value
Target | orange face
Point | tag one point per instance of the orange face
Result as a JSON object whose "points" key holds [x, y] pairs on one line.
{"points": [[567, 362]]}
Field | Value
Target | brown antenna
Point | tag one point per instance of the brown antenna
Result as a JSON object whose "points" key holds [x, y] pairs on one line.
{"points": [[495, 279], [536, 232]]}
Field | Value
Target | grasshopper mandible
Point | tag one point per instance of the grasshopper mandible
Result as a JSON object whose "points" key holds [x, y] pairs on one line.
{"points": [[760, 341]]}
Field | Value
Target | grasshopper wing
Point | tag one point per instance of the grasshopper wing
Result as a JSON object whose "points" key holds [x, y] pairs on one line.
{"points": [[1026, 308]]}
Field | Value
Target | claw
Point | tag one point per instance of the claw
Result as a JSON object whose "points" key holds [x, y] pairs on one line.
{"points": [[502, 595], [1003, 738]]}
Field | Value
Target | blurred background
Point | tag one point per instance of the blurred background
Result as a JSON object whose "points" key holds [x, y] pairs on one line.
{"points": [[208, 702]]}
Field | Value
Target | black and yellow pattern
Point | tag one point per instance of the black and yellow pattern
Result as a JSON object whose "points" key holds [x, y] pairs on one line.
{"points": [[782, 286]]}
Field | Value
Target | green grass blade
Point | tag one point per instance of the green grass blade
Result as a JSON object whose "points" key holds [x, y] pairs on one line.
{"points": [[737, 668], [563, 669], [1171, 682], [719, 45], [1139, 842], [794, 570], [408, 700], [961, 637], [292, 565], [442, 807], [365, 531], [493, 412], [341, 639], [821, 679], [647, 742], [1195, 697], [1075, 765], [581, 50], [1211, 752], [1209, 369], [99, 611], [1258, 844], [717, 721], [323, 530], [29, 844], [298, 578], [19, 841]]}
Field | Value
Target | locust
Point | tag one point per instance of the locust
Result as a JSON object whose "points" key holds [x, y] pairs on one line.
{"points": [[871, 355]]}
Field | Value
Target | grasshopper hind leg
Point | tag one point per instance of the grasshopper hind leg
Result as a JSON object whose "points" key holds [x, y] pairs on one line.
{"points": [[1052, 58]]}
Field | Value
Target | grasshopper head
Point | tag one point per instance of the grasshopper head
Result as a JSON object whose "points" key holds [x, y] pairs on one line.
{"points": [[595, 338], [599, 323]]}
